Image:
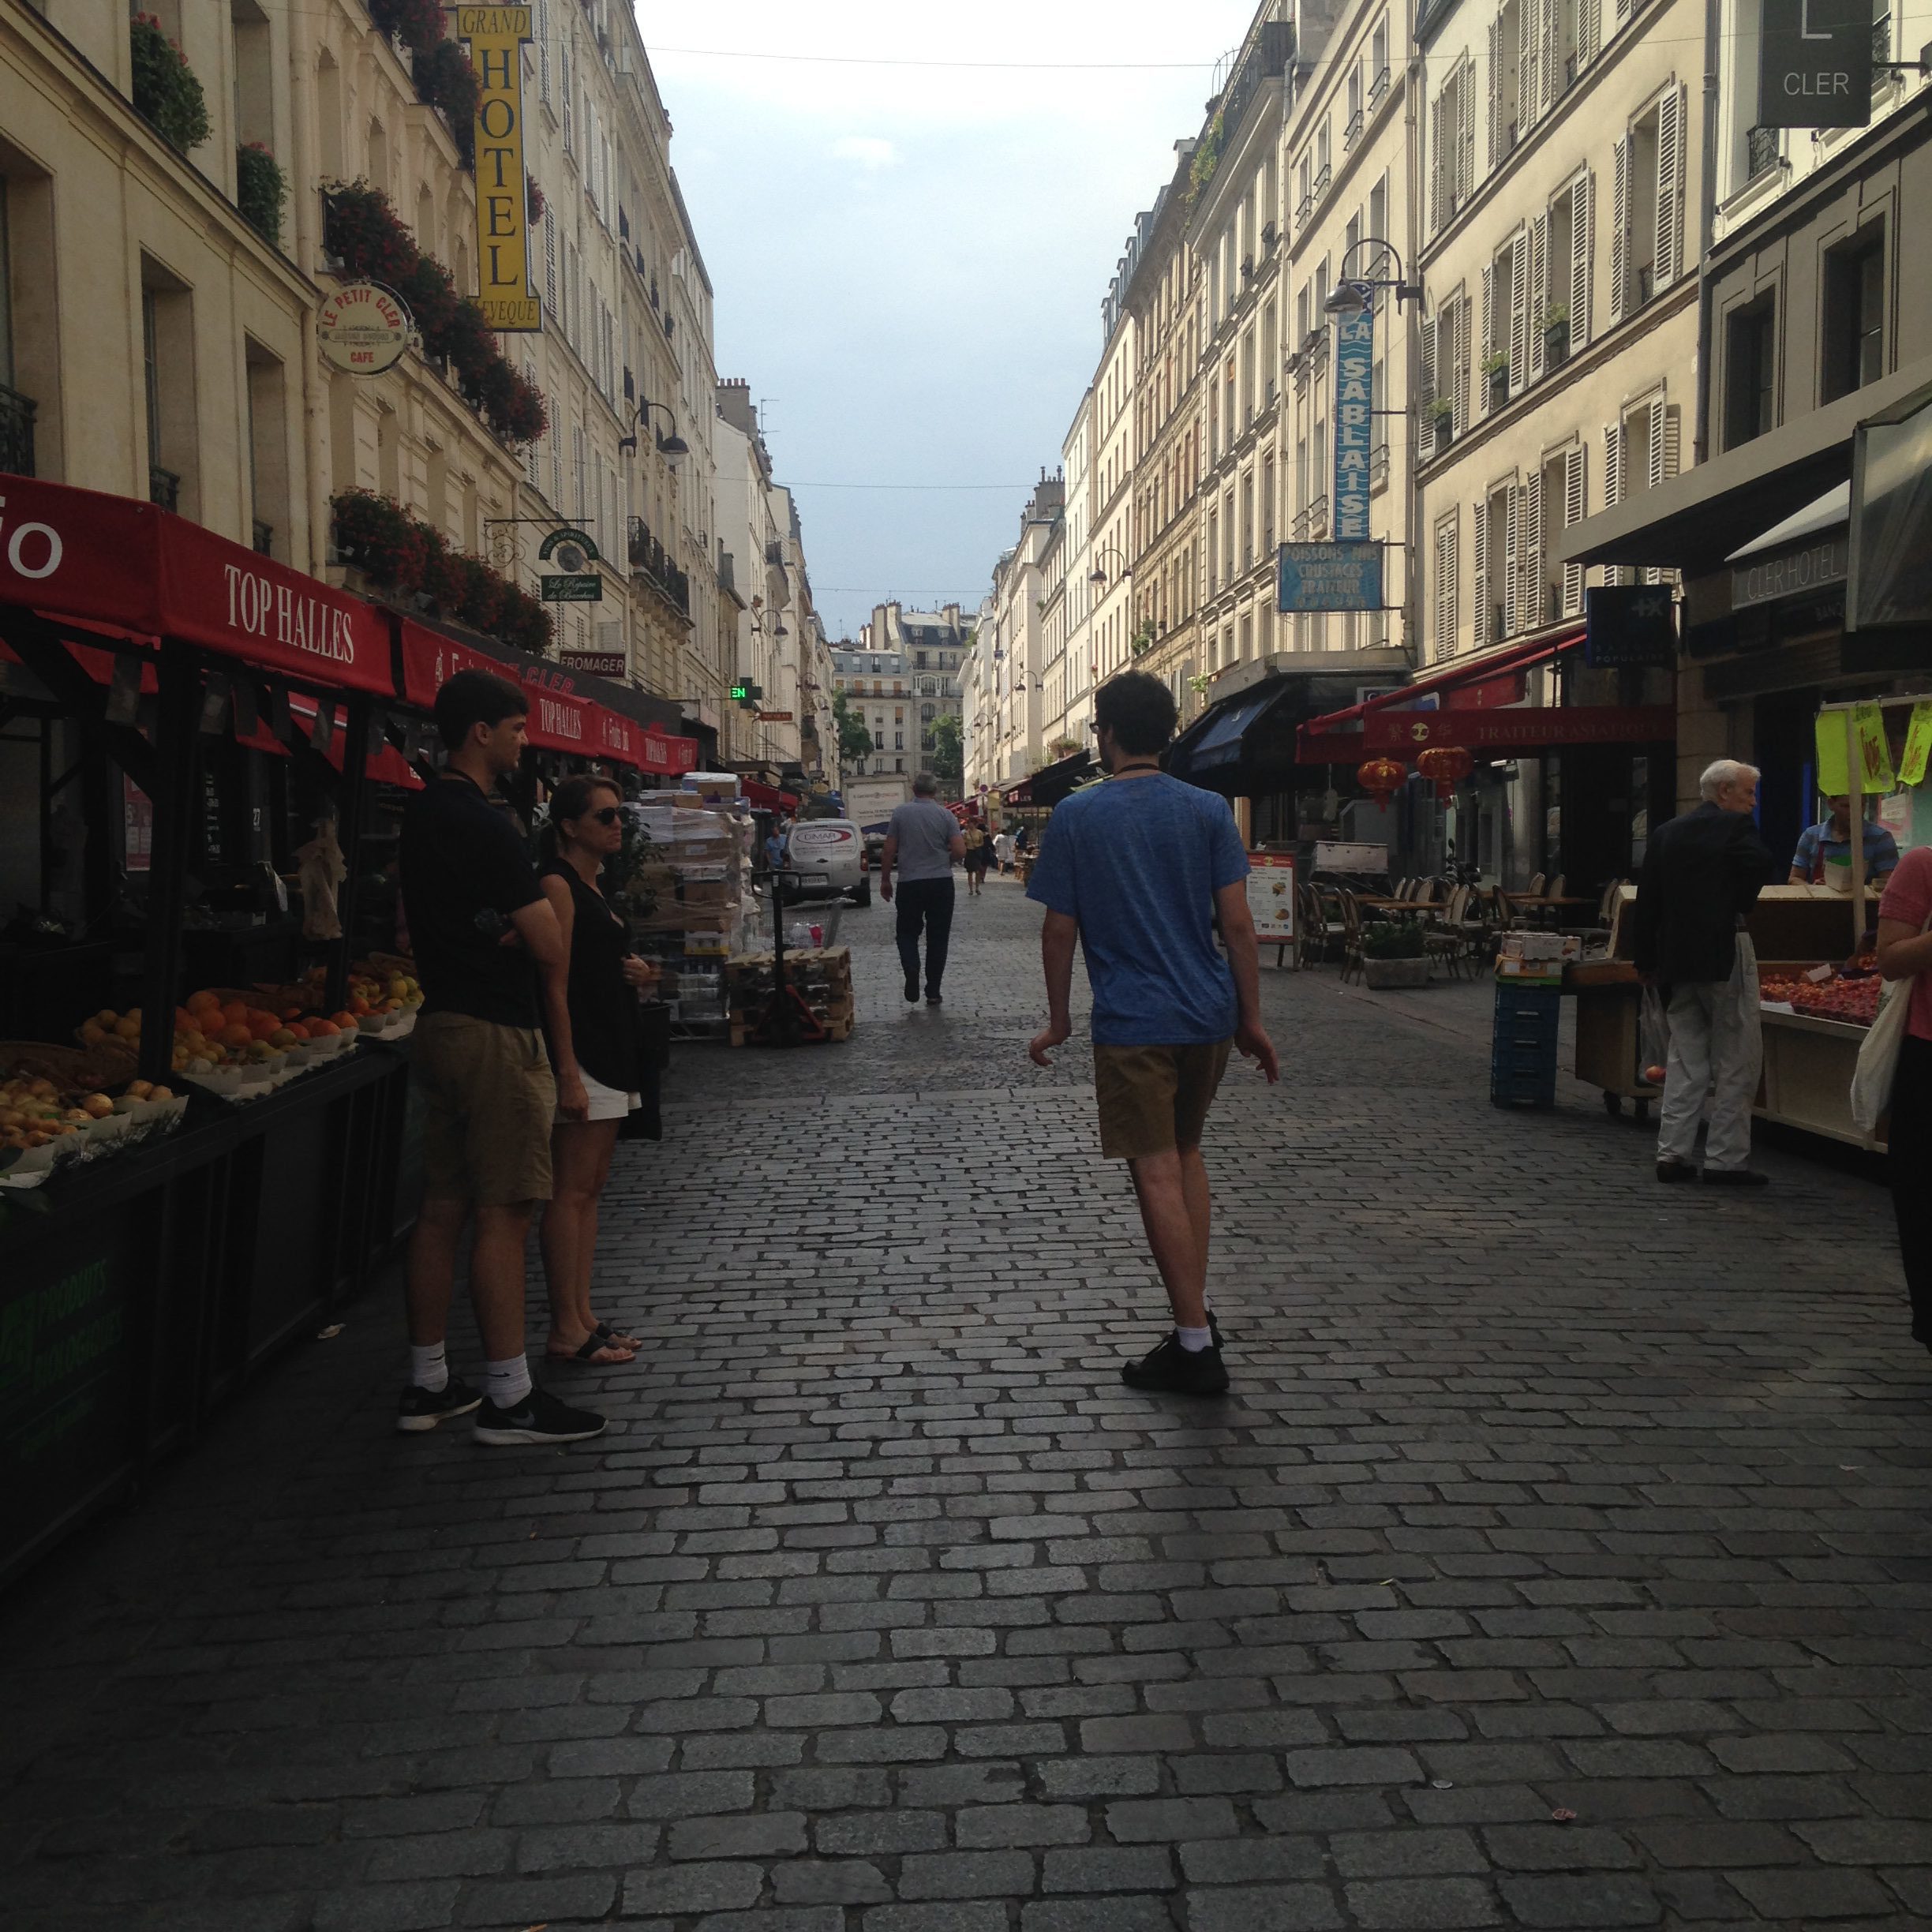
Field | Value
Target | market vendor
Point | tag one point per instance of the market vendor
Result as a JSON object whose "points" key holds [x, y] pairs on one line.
{"points": [[1830, 839]]}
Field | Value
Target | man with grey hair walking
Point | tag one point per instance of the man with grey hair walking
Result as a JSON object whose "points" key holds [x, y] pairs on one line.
{"points": [[1701, 873], [922, 840]]}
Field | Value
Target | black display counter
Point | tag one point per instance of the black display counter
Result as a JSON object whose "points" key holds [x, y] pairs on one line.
{"points": [[138, 1293]]}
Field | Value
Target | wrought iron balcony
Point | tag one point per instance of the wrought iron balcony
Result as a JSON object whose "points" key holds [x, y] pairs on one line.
{"points": [[1760, 151], [17, 432], [1351, 130], [650, 560], [163, 487], [1379, 85]]}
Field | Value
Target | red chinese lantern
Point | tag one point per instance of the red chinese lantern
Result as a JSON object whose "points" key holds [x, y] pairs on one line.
{"points": [[1448, 765], [1381, 778]]}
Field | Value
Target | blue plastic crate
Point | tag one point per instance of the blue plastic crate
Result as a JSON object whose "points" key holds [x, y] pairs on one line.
{"points": [[1522, 1057]]}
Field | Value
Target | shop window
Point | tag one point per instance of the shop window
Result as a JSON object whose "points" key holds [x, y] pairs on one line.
{"points": [[167, 356], [269, 452], [1750, 372], [1855, 299]]}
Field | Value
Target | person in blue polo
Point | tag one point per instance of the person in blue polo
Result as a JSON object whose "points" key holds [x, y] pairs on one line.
{"points": [[1831, 839]]}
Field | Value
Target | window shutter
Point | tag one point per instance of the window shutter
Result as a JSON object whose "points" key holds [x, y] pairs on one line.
{"points": [[1465, 98], [1624, 9], [1670, 190], [550, 274], [1539, 290], [1656, 439], [1573, 513], [1582, 256], [1532, 607], [1519, 316], [1620, 228], [1462, 363], [1529, 67], [1496, 91], [1613, 464], [543, 48], [1589, 31], [1552, 52], [1479, 614], [1429, 385], [1488, 337], [1436, 165], [1513, 557], [1446, 588]]}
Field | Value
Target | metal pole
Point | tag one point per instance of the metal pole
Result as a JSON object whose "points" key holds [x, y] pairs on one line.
{"points": [[1854, 775], [176, 715]]}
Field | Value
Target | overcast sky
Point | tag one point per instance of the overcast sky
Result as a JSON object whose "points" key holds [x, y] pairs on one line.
{"points": [[909, 260]]}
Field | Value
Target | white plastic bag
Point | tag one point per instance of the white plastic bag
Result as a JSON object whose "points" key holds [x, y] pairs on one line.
{"points": [[1878, 1056]]}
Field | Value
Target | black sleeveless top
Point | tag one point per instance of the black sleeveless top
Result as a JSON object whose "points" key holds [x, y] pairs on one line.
{"points": [[603, 1006]]}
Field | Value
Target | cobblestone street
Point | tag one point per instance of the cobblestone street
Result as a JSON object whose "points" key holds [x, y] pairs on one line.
{"points": [[1560, 1558]]}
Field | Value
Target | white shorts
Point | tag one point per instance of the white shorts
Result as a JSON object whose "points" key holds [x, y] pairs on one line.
{"points": [[606, 1102]]}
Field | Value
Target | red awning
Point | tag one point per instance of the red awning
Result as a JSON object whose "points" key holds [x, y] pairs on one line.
{"points": [[386, 765], [1519, 727], [111, 560], [766, 798], [1480, 683], [660, 752]]}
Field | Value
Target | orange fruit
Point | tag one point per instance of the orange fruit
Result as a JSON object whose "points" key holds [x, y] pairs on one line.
{"points": [[234, 1013], [236, 1035], [323, 1029]]}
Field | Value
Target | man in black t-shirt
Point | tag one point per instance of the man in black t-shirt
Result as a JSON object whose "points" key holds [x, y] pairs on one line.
{"points": [[491, 959]]}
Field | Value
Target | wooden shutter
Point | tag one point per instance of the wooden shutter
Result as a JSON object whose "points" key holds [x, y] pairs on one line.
{"points": [[1436, 165], [1462, 364], [1553, 54], [1428, 334], [1620, 228], [1655, 439], [1519, 316], [1479, 614], [1529, 66], [1465, 98], [550, 272], [1613, 464], [542, 23], [1670, 186], [1532, 613], [1583, 257], [1512, 556], [1539, 290], [1487, 337], [1446, 587], [1573, 508], [1495, 150], [1624, 9], [1589, 31]]}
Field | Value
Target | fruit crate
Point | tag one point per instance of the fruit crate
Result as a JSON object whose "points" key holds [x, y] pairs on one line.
{"points": [[1522, 1057]]}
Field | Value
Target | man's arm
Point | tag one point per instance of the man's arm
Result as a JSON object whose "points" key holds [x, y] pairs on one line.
{"points": [[1238, 934], [1059, 934], [889, 857], [538, 926]]}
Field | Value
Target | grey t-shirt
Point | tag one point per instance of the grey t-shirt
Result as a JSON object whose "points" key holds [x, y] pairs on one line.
{"points": [[925, 830]]}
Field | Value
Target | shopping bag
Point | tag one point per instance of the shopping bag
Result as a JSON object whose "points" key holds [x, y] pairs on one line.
{"points": [[1652, 1033], [1878, 1056]]}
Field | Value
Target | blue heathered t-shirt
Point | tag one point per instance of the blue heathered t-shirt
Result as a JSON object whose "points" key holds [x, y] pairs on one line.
{"points": [[1138, 861]]}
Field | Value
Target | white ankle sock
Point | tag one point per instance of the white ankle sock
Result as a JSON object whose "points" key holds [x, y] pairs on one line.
{"points": [[429, 1367], [507, 1382], [1193, 1340]]}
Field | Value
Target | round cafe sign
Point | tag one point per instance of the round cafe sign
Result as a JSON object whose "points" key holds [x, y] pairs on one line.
{"points": [[363, 329]]}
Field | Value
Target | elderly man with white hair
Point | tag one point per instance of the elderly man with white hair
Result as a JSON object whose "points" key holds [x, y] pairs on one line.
{"points": [[1701, 873]]}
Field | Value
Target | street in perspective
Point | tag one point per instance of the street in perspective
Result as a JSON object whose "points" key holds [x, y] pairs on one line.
{"points": [[965, 972]]}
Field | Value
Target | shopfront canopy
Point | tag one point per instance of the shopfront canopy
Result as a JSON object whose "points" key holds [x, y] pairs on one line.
{"points": [[147, 574], [1052, 783]]}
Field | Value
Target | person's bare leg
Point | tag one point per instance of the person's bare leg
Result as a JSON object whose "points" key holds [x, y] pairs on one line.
{"points": [[496, 1277], [1176, 1246], [578, 1166], [556, 1236], [430, 1277], [1200, 1212], [601, 1136]]}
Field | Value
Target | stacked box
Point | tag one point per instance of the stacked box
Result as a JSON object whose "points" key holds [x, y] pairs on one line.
{"points": [[694, 870], [1522, 1058], [822, 976]]}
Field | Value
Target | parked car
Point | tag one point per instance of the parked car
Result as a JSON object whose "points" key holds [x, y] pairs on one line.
{"points": [[830, 853]]}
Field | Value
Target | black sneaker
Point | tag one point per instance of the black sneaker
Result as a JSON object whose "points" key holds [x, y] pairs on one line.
{"points": [[1735, 1177], [912, 989], [1170, 1369], [538, 1418], [933, 997], [422, 1409], [1214, 1328], [1676, 1170]]}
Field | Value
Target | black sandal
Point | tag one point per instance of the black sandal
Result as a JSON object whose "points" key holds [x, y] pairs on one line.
{"points": [[593, 1344]]}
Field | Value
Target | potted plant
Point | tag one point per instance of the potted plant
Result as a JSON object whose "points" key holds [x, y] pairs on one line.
{"points": [[261, 190], [166, 93], [1441, 422], [1393, 956], [1555, 327], [1495, 367]]}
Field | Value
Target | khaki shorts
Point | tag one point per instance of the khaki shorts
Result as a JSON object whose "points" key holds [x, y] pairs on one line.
{"points": [[1155, 1100], [488, 1101]]}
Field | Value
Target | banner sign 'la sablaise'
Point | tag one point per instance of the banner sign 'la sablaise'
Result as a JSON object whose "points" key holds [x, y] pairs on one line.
{"points": [[496, 34], [1354, 422]]}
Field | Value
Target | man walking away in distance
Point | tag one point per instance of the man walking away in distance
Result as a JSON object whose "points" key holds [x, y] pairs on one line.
{"points": [[1139, 870], [923, 839], [490, 953], [1701, 873]]}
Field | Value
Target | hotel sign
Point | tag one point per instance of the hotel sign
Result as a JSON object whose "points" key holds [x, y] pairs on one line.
{"points": [[1814, 65], [1795, 573], [496, 35]]}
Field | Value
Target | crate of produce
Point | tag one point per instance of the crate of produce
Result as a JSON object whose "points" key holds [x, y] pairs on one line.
{"points": [[1522, 1058]]}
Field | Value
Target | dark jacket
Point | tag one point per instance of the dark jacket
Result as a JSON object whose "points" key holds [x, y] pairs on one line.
{"points": [[1701, 872]]}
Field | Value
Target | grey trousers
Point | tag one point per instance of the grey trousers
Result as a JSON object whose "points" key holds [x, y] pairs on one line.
{"points": [[1716, 1051]]}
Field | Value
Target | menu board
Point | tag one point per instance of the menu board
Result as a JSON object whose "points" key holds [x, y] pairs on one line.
{"points": [[1271, 896]]}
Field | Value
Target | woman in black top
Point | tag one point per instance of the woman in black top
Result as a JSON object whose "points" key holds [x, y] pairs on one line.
{"points": [[606, 981]]}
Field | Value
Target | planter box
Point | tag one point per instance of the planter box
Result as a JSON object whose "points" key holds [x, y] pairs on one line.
{"points": [[1556, 345], [1385, 976]]}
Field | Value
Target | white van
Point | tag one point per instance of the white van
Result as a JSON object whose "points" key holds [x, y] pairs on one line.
{"points": [[829, 854]]}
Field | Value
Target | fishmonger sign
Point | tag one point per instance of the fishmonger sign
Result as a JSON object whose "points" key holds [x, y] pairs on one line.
{"points": [[119, 562]]}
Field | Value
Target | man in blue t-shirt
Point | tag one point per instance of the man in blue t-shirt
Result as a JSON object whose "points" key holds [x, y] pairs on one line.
{"points": [[1831, 839], [1139, 870]]}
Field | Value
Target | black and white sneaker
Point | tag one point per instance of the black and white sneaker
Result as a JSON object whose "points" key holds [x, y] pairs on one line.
{"points": [[422, 1409], [537, 1418], [1172, 1370]]}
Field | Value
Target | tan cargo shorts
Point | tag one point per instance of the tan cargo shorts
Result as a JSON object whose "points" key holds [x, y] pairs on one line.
{"points": [[1155, 1100], [488, 1100]]}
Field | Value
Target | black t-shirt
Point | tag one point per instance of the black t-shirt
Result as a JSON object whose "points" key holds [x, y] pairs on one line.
{"points": [[464, 871]]}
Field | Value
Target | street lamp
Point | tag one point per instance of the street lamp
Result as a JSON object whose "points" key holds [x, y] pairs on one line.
{"points": [[671, 445], [1098, 575], [1349, 296]]}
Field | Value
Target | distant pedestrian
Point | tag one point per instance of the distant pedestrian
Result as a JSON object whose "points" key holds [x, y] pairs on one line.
{"points": [[1003, 851], [491, 961], [1138, 871], [1905, 952], [1701, 873], [607, 979], [978, 852], [922, 840]]}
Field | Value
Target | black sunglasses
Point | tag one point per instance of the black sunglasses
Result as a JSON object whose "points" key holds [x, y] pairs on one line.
{"points": [[607, 816]]}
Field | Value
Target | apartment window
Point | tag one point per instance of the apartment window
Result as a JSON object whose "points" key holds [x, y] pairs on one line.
{"points": [[267, 451], [1447, 564], [1268, 505], [254, 73], [1505, 330], [1505, 70], [1554, 591], [1452, 145], [919, 659], [1379, 60], [1378, 210], [167, 356], [1854, 298], [1750, 371], [1646, 229]]}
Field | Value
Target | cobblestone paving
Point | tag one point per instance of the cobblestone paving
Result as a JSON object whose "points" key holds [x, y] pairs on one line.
{"points": [[884, 1607]]}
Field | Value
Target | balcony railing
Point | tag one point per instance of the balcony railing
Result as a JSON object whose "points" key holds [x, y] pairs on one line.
{"points": [[163, 487], [1305, 207], [650, 560], [16, 432], [1882, 52], [1379, 85], [1351, 130], [1760, 151]]}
